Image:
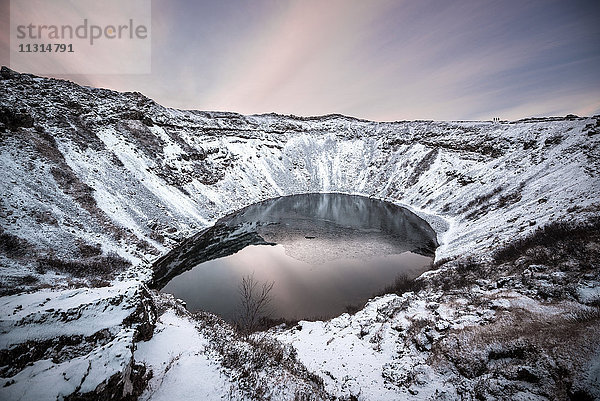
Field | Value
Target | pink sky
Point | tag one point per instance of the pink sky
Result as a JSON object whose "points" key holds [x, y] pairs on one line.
{"points": [[380, 60]]}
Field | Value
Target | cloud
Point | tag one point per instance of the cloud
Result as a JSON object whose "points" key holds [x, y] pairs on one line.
{"points": [[380, 59]]}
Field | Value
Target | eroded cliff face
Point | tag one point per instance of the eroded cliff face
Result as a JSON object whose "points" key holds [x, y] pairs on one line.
{"points": [[98, 184]]}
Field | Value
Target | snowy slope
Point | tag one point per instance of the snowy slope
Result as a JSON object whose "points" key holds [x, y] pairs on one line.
{"points": [[86, 167], [73, 341]]}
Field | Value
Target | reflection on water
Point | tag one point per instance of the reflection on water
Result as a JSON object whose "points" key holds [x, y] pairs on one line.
{"points": [[332, 251], [301, 290]]}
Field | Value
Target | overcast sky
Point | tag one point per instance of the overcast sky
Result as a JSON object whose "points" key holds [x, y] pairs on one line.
{"points": [[373, 59]]}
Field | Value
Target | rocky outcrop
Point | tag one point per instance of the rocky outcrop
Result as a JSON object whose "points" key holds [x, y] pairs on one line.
{"points": [[75, 344]]}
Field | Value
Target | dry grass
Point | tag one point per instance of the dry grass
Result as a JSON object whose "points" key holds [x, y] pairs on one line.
{"points": [[458, 274], [522, 348], [554, 243], [401, 285], [104, 267], [13, 246]]}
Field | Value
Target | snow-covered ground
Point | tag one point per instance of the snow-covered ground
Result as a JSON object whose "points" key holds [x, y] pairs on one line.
{"points": [[86, 168], [80, 338]]}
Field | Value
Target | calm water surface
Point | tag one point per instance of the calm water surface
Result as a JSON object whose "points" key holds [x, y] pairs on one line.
{"points": [[324, 252]]}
